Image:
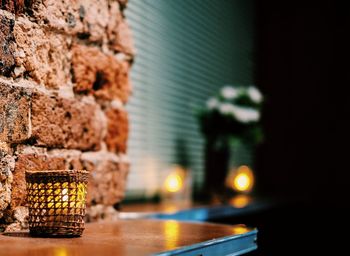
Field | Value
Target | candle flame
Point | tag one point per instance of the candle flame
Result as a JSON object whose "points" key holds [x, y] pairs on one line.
{"points": [[242, 179], [65, 195], [174, 181]]}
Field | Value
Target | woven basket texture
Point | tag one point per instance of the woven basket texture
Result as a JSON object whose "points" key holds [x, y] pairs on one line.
{"points": [[56, 202]]}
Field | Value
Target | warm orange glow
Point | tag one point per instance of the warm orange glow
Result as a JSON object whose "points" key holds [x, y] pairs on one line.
{"points": [[240, 201], [171, 234], [174, 182], [65, 195], [240, 229], [241, 180], [60, 251], [58, 204]]}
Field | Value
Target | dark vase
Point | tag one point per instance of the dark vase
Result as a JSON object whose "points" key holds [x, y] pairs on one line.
{"points": [[217, 158]]}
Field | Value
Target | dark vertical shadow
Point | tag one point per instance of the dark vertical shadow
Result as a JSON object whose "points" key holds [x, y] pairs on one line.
{"points": [[303, 68], [181, 153]]}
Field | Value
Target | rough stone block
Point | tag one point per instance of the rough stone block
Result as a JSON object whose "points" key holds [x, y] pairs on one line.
{"points": [[13, 227], [101, 212], [14, 6], [107, 177], [49, 120], [28, 50], [6, 167], [66, 123], [123, 3], [7, 49], [5, 196], [41, 54], [100, 74], [87, 19], [117, 130], [14, 113], [118, 31], [91, 20], [120, 38], [7, 163], [21, 214]]}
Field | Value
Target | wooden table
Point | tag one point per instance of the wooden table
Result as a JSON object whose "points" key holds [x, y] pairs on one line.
{"points": [[137, 237]]}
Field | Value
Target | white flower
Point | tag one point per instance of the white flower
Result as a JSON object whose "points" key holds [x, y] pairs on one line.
{"points": [[246, 115], [212, 103], [242, 114], [226, 108], [254, 94], [229, 92]]}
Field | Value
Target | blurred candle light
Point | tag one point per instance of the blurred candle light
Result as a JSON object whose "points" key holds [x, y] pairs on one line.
{"points": [[174, 181], [241, 180], [176, 186]]}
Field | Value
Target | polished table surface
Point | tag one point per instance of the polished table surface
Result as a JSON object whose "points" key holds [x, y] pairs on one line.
{"points": [[137, 237]]}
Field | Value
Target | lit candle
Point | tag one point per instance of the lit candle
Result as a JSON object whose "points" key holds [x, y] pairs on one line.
{"points": [[241, 179], [56, 201]]}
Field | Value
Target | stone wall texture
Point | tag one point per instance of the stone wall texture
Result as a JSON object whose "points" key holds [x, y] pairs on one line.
{"points": [[64, 82]]}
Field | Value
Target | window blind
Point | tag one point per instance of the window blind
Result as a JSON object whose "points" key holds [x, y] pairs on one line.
{"points": [[186, 50]]}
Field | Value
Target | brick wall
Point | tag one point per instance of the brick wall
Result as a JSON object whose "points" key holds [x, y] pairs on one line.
{"points": [[63, 85]]}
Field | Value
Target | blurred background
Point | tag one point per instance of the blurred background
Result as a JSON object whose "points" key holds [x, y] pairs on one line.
{"points": [[296, 53], [186, 51]]}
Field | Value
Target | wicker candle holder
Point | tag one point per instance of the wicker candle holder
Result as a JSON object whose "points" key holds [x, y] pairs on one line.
{"points": [[56, 201]]}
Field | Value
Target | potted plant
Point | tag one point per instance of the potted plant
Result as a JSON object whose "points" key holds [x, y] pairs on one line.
{"points": [[229, 117]]}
